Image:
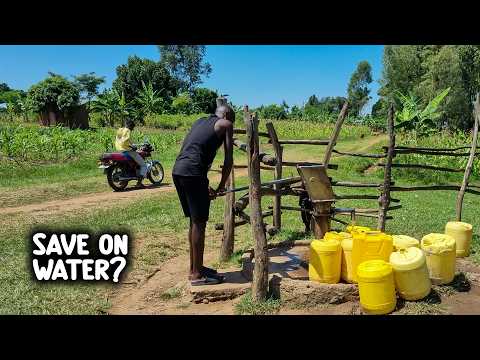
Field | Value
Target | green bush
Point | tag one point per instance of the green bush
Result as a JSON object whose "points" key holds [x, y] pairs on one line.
{"points": [[444, 139], [183, 104], [171, 122], [376, 123]]}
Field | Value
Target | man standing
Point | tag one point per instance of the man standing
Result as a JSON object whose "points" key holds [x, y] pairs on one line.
{"points": [[124, 143], [190, 178]]}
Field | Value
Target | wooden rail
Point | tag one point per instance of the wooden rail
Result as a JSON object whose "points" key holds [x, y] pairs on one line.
{"points": [[243, 132], [429, 152], [373, 156], [304, 142], [425, 167]]}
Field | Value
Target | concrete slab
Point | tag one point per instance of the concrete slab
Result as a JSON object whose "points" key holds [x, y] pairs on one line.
{"points": [[288, 276], [235, 285], [286, 262], [308, 294]]}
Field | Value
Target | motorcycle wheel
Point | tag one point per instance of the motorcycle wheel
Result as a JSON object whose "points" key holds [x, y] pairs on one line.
{"points": [[156, 173], [112, 172]]}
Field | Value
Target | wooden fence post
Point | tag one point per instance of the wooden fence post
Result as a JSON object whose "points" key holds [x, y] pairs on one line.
{"points": [[387, 177], [260, 273], [228, 239], [277, 199], [468, 169], [336, 133]]}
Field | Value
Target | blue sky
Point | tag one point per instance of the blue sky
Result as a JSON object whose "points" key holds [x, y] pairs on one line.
{"points": [[252, 75]]}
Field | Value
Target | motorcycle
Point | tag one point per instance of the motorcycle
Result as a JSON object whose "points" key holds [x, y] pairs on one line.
{"points": [[121, 168]]}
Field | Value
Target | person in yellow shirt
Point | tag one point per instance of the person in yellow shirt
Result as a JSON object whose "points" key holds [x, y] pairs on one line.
{"points": [[124, 144]]}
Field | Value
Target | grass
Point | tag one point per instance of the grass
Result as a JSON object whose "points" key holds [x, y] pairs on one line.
{"points": [[475, 249], [157, 222], [421, 308], [172, 293], [248, 306], [234, 261], [154, 223]]}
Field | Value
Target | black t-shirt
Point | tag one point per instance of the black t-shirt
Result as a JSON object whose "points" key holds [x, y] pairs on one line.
{"points": [[199, 149]]}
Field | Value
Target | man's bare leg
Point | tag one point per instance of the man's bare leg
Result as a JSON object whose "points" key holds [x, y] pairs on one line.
{"points": [[191, 248], [197, 245]]}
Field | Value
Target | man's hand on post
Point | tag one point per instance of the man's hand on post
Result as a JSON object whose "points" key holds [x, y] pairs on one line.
{"points": [[220, 190], [212, 193]]}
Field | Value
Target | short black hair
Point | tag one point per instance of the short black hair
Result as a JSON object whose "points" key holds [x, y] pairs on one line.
{"points": [[129, 123], [225, 111]]}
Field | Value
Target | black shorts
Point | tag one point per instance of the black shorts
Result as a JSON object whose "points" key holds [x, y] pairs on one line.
{"points": [[193, 194]]}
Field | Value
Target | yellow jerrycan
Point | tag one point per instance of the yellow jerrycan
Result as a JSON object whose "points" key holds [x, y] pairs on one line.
{"points": [[357, 228], [376, 287], [404, 242], [410, 271], [440, 250], [325, 261], [462, 233], [347, 266], [371, 245], [346, 243], [336, 235]]}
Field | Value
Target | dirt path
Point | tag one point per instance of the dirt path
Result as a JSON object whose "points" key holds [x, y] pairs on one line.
{"points": [[372, 141], [99, 200], [96, 200]]}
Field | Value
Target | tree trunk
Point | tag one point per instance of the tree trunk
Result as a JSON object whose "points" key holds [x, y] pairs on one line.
{"points": [[336, 133], [260, 273], [468, 169], [387, 178], [277, 200]]}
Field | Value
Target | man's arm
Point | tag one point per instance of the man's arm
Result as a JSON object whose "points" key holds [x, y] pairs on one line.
{"points": [[228, 161]]}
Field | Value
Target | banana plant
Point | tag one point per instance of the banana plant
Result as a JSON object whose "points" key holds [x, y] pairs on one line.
{"points": [[149, 99], [124, 106], [108, 103], [412, 117]]}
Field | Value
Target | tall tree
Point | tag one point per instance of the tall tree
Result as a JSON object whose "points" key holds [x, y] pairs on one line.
{"points": [[137, 71], [380, 108], [53, 95], [469, 57], [88, 85], [204, 100], [4, 87], [425, 70], [312, 101], [402, 70], [358, 91], [9, 95], [186, 63], [332, 104], [443, 71]]}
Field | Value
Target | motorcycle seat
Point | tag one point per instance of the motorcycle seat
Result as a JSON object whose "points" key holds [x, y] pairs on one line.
{"points": [[117, 155]]}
